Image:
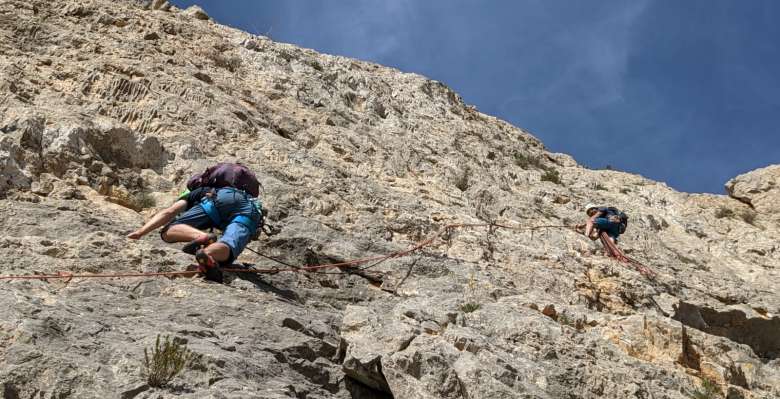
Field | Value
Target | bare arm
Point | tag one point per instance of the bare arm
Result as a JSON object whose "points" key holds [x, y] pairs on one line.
{"points": [[589, 225], [161, 218]]}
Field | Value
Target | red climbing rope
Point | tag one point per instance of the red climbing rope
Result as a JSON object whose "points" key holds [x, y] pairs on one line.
{"points": [[616, 253], [69, 276], [347, 264]]}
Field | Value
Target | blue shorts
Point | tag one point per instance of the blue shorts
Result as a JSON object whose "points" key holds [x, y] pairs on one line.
{"points": [[230, 203], [611, 228]]}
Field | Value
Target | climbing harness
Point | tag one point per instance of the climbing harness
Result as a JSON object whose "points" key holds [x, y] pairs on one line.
{"points": [[210, 208]]}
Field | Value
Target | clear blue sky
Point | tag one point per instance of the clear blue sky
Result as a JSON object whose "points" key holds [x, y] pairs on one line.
{"points": [[684, 92]]}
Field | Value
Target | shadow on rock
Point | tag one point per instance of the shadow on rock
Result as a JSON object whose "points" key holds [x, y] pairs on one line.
{"points": [[261, 284], [760, 334]]}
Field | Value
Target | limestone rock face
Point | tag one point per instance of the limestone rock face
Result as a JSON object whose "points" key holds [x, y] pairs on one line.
{"points": [[108, 107], [760, 189], [196, 12]]}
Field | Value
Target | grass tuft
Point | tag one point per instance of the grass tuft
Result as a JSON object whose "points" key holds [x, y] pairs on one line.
{"points": [[551, 175], [747, 216], [528, 161], [708, 390], [220, 60], [167, 359], [469, 307], [723, 212]]}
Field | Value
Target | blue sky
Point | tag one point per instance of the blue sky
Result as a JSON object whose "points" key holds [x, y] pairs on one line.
{"points": [[687, 93]]}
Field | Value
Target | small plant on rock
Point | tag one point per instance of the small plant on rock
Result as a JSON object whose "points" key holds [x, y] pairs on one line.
{"points": [[708, 390], [166, 360], [525, 161], [471, 296], [724, 212], [551, 175], [469, 307], [232, 64]]}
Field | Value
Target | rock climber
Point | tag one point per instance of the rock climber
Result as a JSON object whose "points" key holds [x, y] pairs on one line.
{"points": [[224, 197], [607, 219]]}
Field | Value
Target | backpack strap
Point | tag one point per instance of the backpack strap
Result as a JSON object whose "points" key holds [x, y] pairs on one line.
{"points": [[211, 210]]}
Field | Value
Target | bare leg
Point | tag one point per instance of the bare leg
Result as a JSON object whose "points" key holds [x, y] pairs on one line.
{"points": [[181, 233], [589, 227], [219, 251]]}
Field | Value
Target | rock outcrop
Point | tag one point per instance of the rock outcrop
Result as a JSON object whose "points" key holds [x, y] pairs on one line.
{"points": [[760, 189], [107, 108]]}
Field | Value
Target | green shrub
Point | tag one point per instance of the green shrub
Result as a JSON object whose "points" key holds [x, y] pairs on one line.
{"points": [[600, 187], [168, 358], [551, 175], [708, 390], [724, 212], [232, 64], [748, 216], [469, 307], [525, 161]]}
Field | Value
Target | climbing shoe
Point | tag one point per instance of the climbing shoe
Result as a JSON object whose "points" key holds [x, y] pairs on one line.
{"points": [[208, 266], [205, 261], [200, 242]]}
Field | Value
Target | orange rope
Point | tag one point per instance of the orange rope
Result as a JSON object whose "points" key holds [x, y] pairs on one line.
{"points": [[616, 253], [69, 276], [352, 263]]}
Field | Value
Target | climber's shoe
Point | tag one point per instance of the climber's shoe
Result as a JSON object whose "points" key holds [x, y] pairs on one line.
{"points": [[200, 242], [208, 266]]}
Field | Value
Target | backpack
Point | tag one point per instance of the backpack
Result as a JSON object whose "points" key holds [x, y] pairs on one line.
{"points": [[226, 174], [614, 214]]}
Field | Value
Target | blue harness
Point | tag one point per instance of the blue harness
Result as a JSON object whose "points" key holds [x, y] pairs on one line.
{"points": [[211, 210]]}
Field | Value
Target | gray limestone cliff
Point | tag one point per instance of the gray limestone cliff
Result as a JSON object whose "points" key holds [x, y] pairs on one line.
{"points": [[107, 107]]}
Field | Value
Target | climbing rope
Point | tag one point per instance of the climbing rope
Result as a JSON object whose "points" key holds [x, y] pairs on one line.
{"points": [[381, 258], [69, 276], [350, 265], [616, 253]]}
